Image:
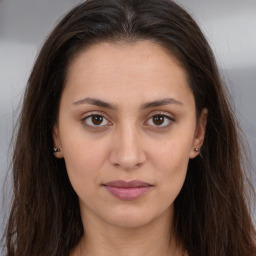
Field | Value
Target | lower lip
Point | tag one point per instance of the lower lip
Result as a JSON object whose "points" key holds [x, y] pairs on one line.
{"points": [[130, 193]]}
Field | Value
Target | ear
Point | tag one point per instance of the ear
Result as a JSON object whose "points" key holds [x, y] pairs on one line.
{"points": [[199, 134], [56, 141]]}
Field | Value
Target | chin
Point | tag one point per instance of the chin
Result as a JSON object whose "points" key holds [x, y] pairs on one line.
{"points": [[134, 218], [130, 221]]}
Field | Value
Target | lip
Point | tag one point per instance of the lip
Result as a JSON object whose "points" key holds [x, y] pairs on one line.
{"points": [[127, 190]]}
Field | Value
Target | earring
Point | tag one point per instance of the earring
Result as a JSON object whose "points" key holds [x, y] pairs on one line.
{"points": [[56, 150], [198, 150]]}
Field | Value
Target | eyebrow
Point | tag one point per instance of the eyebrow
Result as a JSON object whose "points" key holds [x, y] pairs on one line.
{"points": [[103, 104], [162, 102], [95, 102]]}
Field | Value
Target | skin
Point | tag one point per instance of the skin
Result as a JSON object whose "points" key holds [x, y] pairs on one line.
{"points": [[127, 145]]}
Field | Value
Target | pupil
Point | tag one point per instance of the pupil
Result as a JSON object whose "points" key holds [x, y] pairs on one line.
{"points": [[97, 120], [158, 120]]}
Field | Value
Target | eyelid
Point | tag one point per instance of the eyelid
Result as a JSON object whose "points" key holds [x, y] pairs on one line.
{"points": [[96, 113], [162, 113], [155, 113]]}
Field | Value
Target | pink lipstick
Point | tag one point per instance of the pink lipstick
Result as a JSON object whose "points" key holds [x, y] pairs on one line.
{"points": [[127, 190]]}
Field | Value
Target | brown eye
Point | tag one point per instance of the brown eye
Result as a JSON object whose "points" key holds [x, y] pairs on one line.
{"points": [[158, 119], [96, 121]]}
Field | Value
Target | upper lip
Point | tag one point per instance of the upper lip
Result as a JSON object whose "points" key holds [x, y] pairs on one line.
{"points": [[127, 184]]}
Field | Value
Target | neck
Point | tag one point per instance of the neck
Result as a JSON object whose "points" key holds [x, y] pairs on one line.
{"points": [[103, 239]]}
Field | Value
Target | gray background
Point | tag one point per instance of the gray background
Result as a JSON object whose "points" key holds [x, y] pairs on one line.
{"points": [[229, 25]]}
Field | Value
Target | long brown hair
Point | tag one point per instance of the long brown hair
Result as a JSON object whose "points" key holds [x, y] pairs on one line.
{"points": [[211, 212]]}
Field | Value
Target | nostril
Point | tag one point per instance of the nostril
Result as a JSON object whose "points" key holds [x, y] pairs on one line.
{"points": [[127, 153], [128, 167]]}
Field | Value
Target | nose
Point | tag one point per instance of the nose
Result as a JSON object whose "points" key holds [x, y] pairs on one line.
{"points": [[127, 149]]}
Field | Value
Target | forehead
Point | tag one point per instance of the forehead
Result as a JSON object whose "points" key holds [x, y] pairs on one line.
{"points": [[115, 69], [122, 55]]}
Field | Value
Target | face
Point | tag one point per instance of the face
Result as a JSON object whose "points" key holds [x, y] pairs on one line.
{"points": [[126, 130]]}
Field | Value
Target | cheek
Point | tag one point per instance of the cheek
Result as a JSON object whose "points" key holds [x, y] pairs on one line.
{"points": [[173, 153], [80, 148], [171, 162], [172, 178], [83, 159]]}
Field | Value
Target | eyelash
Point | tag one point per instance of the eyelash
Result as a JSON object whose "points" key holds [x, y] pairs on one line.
{"points": [[84, 121], [167, 118]]}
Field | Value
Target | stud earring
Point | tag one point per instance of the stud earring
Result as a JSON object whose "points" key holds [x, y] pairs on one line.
{"points": [[199, 151], [56, 150]]}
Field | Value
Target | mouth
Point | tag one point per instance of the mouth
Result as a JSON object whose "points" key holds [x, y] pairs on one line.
{"points": [[127, 190]]}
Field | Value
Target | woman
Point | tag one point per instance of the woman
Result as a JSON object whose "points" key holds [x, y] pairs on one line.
{"points": [[127, 144]]}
